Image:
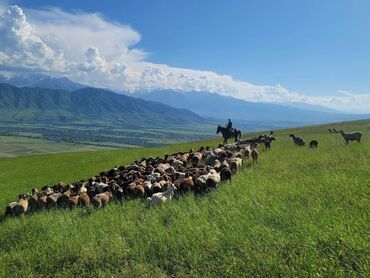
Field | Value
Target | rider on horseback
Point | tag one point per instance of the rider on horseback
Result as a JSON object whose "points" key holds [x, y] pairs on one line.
{"points": [[229, 125]]}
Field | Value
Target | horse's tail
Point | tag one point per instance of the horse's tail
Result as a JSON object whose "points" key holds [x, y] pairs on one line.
{"points": [[239, 134]]}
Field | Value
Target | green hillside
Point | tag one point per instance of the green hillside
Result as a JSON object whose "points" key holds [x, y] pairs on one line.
{"points": [[300, 212], [87, 105]]}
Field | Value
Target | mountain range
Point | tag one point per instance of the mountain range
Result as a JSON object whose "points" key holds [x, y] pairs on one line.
{"points": [[61, 99], [87, 105]]}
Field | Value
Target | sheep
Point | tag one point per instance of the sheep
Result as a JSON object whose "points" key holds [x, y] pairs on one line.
{"points": [[84, 200], [156, 188], [196, 158], [225, 174], [254, 155], [297, 140], [213, 179], [73, 201], [314, 144], [354, 136], [159, 198], [52, 200], [63, 200], [32, 202], [246, 151], [42, 201], [10, 209], [235, 164], [22, 205], [201, 183], [187, 184], [102, 199]]}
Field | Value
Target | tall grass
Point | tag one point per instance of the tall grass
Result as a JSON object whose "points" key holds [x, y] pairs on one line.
{"points": [[299, 212]]}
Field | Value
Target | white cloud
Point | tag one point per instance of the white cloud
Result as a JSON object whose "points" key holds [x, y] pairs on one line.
{"points": [[90, 49]]}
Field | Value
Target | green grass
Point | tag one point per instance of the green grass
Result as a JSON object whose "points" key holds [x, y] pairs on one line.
{"points": [[298, 213]]}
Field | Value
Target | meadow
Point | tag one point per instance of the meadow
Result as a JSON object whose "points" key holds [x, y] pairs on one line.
{"points": [[299, 212]]}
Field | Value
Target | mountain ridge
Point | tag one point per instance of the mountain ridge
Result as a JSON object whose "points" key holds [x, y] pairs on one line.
{"points": [[37, 105]]}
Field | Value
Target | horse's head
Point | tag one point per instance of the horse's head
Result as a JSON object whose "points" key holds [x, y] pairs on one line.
{"points": [[218, 129]]}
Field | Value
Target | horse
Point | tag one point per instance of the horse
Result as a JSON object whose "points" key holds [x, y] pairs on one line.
{"points": [[229, 133]]}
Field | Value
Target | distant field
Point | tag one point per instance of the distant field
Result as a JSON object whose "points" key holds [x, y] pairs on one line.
{"points": [[20, 146], [298, 213], [26, 139]]}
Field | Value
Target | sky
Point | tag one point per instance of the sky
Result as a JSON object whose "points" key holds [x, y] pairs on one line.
{"points": [[316, 52]]}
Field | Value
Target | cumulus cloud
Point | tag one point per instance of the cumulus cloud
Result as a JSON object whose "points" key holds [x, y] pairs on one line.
{"points": [[90, 49]]}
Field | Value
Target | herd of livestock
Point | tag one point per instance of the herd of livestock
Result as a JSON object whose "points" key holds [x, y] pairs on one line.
{"points": [[154, 179]]}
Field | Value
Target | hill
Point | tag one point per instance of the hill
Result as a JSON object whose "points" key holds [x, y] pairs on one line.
{"points": [[223, 107], [297, 213], [90, 105]]}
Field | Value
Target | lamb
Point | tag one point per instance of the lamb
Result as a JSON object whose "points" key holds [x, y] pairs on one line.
{"points": [[314, 144], [159, 198], [254, 155], [102, 199], [354, 136], [297, 140]]}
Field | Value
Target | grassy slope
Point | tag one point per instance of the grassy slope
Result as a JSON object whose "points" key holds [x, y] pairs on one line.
{"points": [[298, 212]]}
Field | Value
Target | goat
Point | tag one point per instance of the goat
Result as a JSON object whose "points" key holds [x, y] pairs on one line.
{"points": [[354, 136], [298, 141], [254, 155], [314, 144]]}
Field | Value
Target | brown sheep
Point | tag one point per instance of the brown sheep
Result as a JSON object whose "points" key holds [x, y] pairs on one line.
{"points": [[102, 199], [84, 200], [187, 184], [73, 201]]}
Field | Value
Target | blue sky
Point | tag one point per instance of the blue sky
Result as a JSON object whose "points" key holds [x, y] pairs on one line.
{"points": [[314, 48]]}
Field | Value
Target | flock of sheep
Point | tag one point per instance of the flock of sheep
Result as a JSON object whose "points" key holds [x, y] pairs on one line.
{"points": [[155, 179]]}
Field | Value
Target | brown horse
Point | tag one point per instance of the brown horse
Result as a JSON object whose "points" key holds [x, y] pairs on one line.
{"points": [[229, 133]]}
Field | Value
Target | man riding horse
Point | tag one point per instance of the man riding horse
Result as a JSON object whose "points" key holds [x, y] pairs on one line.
{"points": [[229, 132]]}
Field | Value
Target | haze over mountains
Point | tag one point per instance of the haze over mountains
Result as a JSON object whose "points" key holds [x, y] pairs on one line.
{"points": [[223, 107]]}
